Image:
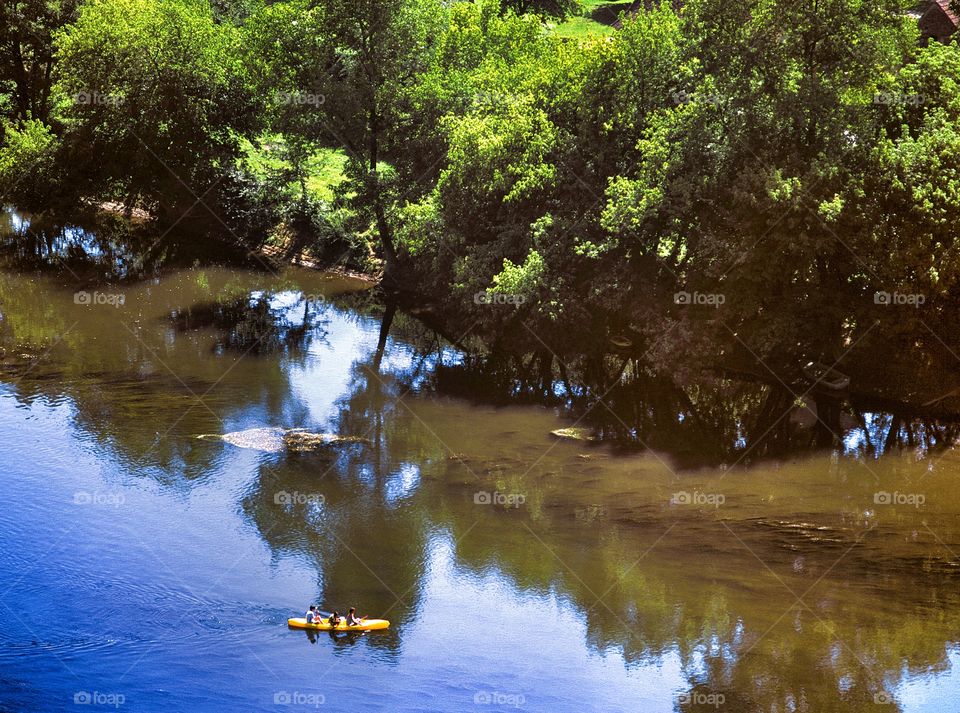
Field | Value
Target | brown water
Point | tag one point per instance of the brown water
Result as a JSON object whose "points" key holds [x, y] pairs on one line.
{"points": [[519, 571]]}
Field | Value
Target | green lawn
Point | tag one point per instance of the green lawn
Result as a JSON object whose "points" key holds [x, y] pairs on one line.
{"points": [[596, 19]]}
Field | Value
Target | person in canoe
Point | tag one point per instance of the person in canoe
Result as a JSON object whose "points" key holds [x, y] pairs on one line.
{"points": [[352, 619], [311, 616], [334, 619]]}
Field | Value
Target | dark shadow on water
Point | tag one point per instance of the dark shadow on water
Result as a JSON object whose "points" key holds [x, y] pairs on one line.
{"points": [[99, 247]]}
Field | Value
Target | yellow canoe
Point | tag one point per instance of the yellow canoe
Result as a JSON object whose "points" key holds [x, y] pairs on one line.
{"points": [[367, 625]]}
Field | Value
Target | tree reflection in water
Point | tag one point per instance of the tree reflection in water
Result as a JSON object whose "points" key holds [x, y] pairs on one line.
{"points": [[711, 589], [650, 581]]}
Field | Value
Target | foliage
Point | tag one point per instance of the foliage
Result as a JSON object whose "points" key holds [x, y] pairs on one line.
{"points": [[152, 96], [787, 160], [28, 163], [27, 55]]}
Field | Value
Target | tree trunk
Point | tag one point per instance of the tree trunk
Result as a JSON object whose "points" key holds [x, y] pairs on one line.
{"points": [[380, 212]]}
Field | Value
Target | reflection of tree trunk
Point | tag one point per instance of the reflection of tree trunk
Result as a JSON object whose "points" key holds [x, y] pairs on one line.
{"points": [[827, 428], [546, 373], [571, 394], [861, 419], [385, 323], [772, 428], [893, 435]]}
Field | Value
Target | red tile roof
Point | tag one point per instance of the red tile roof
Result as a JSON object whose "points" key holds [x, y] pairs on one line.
{"points": [[946, 6]]}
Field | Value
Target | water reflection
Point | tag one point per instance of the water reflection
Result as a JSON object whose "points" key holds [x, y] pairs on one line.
{"points": [[101, 247], [709, 420], [749, 598], [806, 588], [261, 322]]}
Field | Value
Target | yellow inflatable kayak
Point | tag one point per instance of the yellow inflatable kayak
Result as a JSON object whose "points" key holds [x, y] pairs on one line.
{"points": [[367, 625]]}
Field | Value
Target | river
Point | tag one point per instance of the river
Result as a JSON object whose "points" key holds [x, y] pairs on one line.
{"points": [[145, 569]]}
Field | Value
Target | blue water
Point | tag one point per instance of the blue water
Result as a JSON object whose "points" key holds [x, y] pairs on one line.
{"points": [[144, 569], [140, 583]]}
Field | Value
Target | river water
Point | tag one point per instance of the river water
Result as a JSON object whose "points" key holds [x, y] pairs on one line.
{"points": [[145, 569]]}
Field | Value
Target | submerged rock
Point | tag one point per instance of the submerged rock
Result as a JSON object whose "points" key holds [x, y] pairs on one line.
{"points": [[275, 440], [300, 440], [575, 434]]}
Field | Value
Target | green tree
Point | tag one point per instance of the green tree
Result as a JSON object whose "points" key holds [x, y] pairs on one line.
{"points": [[739, 188], [345, 85], [28, 164], [27, 55], [152, 97]]}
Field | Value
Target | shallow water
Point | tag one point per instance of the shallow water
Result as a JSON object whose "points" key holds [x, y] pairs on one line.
{"points": [[145, 568]]}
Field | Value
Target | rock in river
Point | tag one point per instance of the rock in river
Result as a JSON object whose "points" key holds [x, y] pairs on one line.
{"points": [[575, 434], [275, 440]]}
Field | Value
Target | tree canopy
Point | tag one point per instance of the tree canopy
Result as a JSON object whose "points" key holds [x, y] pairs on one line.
{"points": [[779, 163]]}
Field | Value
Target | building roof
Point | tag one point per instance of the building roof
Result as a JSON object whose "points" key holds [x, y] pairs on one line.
{"points": [[946, 6]]}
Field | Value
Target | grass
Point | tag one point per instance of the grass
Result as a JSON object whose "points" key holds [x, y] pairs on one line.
{"points": [[596, 19], [582, 27]]}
